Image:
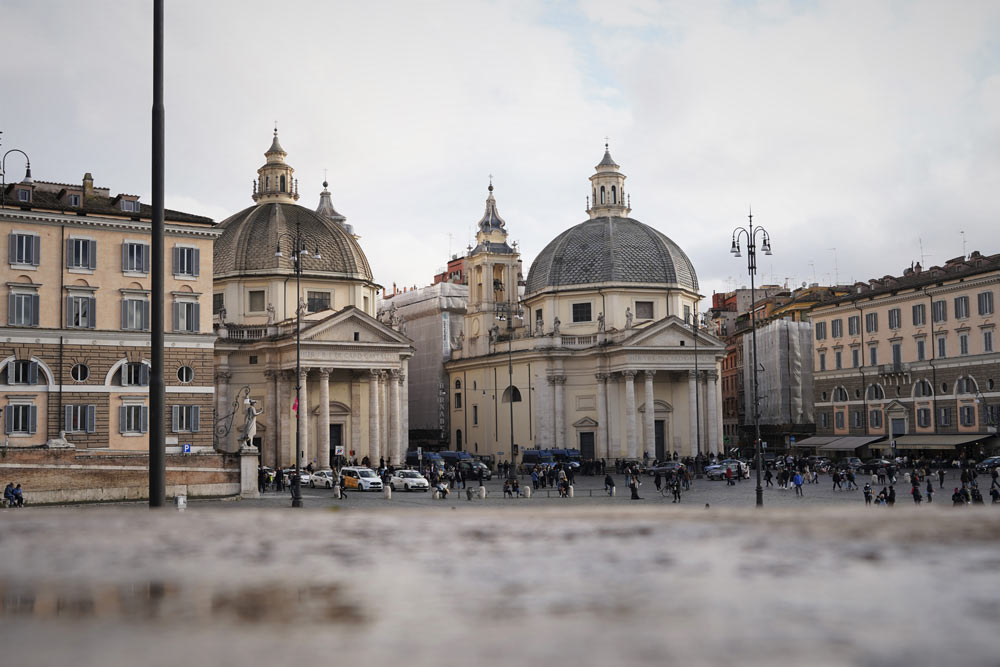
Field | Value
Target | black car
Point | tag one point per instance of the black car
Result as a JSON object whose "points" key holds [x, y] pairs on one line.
{"points": [[664, 468], [987, 465], [872, 465], [471, 469]]}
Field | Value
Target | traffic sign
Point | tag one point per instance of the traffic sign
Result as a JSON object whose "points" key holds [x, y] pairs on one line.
{"points": [[338, 450], [187, 448]]}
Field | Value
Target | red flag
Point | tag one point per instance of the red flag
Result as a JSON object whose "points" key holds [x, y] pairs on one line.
{"points": [[295, 405]]}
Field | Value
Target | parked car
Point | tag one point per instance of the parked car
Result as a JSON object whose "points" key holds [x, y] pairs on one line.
{"points": [[539, 457], [872, 465], [987, 465], [324, 478], [664, 468], [408, 480], [718, 471], [471, 468], [304, 476], [359, 478]]}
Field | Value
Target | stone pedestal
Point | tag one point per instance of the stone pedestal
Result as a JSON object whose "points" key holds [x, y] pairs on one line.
{"points": [[248, 472]]}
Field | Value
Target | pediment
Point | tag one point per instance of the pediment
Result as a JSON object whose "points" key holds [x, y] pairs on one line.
{"points": [[586, 422], [673, 332], [341, 327], [895, 406]]}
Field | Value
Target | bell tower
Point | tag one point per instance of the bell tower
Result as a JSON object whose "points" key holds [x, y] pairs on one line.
{"points": [[494, 270], [274, 182], [607, 185]]}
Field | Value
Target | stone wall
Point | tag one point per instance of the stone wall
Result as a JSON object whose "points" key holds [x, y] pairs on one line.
{"points": [[68, 475]]}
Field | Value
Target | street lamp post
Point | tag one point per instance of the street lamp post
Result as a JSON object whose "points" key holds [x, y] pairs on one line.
{"points": [[3, 173], [750, 233], [299, 251], [695, 326], [506, 311]]}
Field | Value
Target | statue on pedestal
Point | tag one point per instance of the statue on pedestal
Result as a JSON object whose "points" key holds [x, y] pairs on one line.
{"points": [[628, 317], [250, 425], [555, 326]]}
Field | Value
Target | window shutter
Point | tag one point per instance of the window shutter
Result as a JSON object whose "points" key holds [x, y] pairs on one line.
{"points": [[32, 419], [144, 419], [125, 266], [91, 418], [121, 419], [8, 416], [197, 261], [145, 258], [143, 375], [34, 310], [68, 418], [174, 417], [10, 309], [36, 250], [12, 248], [124, 313], [177, 315], [92, 312], [33, 372], [145, 315], [195, 418], [176, 259], [92, 255], [69, 253], [195, 318]]}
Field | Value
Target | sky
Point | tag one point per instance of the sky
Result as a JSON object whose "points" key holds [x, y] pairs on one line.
{"points": [[864, 135]]}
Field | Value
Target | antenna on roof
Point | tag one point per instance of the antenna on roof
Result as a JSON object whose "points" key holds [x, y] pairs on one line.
{"points": [[964, 256], [836, 270], [923, 257]]}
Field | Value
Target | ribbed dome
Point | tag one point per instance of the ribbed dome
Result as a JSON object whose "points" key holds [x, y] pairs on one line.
{"points": [[250, 238], [611, 250]]}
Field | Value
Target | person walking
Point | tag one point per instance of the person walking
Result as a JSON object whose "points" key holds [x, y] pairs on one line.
{"points": [[891, 498], [767, 477], [658, 480], [995, 476], [930, 490], [609, 484], [676, 488], [836, 481], [915, 492], [868, 494], [797, 481], [940, 478]]}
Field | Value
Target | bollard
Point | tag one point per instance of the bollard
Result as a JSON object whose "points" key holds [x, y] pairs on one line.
{"points": [[527, 491], [612, 492], [387, 492], [482, 493], [337, 492], [570, 490], [468, 493], [181, 502]]}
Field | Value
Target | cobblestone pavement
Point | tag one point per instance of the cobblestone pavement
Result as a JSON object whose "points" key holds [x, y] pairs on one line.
{"points": [[604, 585]]}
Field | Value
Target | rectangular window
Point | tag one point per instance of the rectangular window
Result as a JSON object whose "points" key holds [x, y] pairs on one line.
{"points": [[985, 303], [921, 352], [856, 418], [919, 315], [256, 298], [133, 419], [942, 348], [853, 325], [24, 249], [538, 320], [871, 322], [135, 375], [81, 254], [135, 257], [875, 418], [963, 344], [838, 360], [820, 330], [837, 328], [822, 361], [23, 195], [895, 318], [581, 312], [186, 261], [22, 371], [135, 314], [944, 416], [22, 310], [939, 311], [130, 206], [839, 419], [967, 415], [475, 415], [81, 312], [873, 356], [458, 401], [687, 314], [826, 419], [855, 358], [218, 303], [317, 301], [187, 316], [644, 310], [73, 200], [80, 418], [923, 417], [897, 354], [961, 307], [185, 418], [21, 419], [987, 341]]}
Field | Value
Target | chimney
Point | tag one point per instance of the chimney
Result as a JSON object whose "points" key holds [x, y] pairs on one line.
{"points": [[88, 186]]}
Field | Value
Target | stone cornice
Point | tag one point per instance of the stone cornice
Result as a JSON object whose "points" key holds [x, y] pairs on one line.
{"points": [[96, 222]]}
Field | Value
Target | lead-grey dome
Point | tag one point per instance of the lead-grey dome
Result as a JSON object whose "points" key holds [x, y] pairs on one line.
{"points": [[611, 250], [249, 240]]}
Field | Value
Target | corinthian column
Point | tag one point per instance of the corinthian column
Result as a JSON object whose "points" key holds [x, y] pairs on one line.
{"points": [[270, 448], [713, 414], [602, 416], [404, 426], [323, 448], [558, 382], [630, 425], [393, 447], [693, 412], [303, 424], [374, 421], [650, 426]]}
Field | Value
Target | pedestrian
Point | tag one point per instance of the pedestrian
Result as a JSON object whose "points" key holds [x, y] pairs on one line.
{"points": [[995, 475], [915, 492], [836, 480], [940, 478], [8, 494], [930, 490], [891, 498], [635, 489], [729, 476], [852, 485], [797, 481], [657, 480], [767, 477], [868, 494], [609, 484], [19, 496], [676, 488]]}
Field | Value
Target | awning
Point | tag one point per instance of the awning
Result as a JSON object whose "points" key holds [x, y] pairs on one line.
{"points": [[938, 441], [849, 443], [814, 441]]}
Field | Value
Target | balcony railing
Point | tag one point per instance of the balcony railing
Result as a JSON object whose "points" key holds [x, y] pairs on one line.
{"points": [[894, 367], [244, 332]]}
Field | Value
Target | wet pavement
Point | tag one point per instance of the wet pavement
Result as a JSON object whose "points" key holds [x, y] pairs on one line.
{"points": [[581, 585]]}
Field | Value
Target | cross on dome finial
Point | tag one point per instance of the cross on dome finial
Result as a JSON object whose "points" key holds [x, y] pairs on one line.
{"points": [[275, 128], [491, 183]]}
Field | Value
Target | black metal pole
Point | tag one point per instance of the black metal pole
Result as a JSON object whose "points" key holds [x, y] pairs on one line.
{"points": [[697, 386], [510, 372], [296, 481], [752, 267], [157, 400]]}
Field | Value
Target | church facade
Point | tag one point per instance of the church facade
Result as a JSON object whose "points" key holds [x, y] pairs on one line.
{"points": [[350, 397], [599, 353]]}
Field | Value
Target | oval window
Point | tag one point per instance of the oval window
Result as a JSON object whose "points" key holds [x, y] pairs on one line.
{"points": [[185, 374], [80, 372]]}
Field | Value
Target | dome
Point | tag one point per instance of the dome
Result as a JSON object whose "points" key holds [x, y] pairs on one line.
{"points": [[611, 249], [249, 240]]}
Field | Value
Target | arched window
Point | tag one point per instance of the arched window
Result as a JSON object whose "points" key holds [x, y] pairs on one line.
{"points": [[595, 196], [875, 393], [267, 183], [614, 195], [923, 388], [507, 395], [840, 394], [458, 439], [458, 384], [965, 385], [602, 194], [282, 183]]}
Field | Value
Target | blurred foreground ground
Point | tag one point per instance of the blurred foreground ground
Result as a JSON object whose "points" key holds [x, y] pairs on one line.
{"points": [[586, 585]]}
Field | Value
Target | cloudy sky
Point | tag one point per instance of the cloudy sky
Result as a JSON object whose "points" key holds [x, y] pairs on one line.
{"points": [[858, 131]]}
